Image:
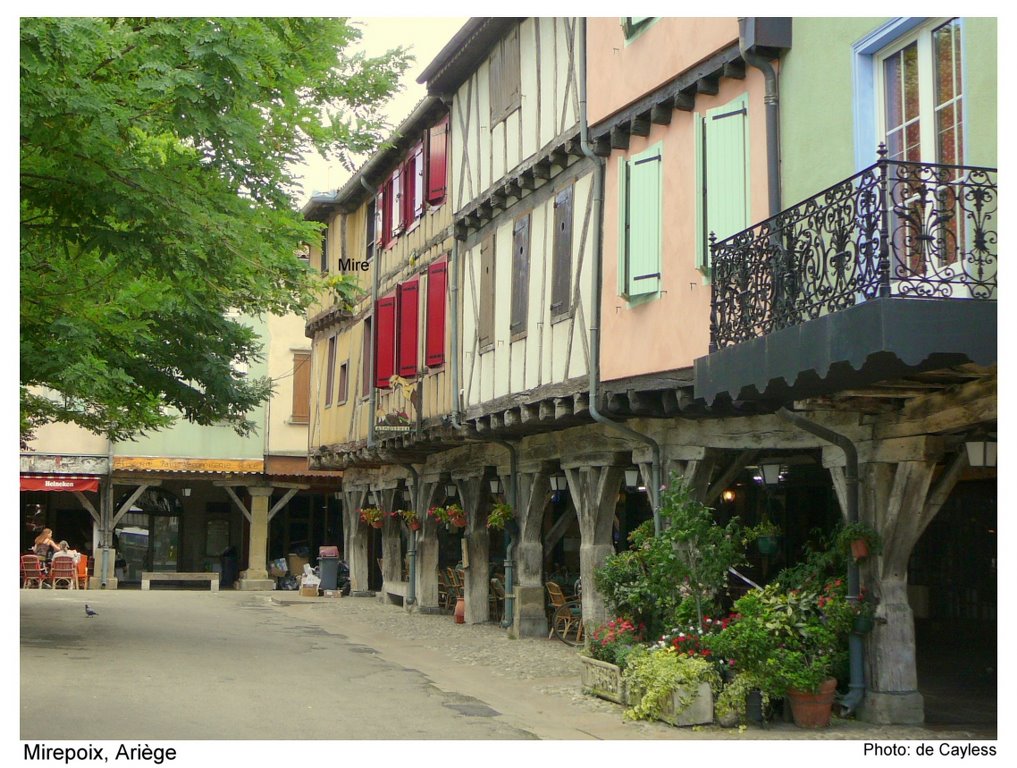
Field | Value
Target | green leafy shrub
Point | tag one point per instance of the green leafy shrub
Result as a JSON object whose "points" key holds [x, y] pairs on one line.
{"points": [[660, 673]]}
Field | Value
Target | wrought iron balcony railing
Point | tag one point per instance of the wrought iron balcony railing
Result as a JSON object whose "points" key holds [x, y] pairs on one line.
{"points": [[915, 230]]}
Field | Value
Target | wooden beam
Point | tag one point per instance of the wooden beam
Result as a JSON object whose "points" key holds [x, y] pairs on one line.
{"points": [[529, 413], [602, 146], [546, 410], [282, 502], [238, 503], [660, 114], [685, 100], [581, 405], [734, 69], [640, 125], [126, 506], [558, 530], [743, 459], [562, 407], [620, 137], [88, 506], [710, 85]]}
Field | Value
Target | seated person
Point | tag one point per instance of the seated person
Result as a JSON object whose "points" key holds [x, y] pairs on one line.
{"points": [[64, 550]]}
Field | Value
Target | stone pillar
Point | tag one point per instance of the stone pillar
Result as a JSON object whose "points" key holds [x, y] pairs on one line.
{"points": [[476, 585], [594, 489], [256, 576], [354, 498], [427, 549], [529, 616]]}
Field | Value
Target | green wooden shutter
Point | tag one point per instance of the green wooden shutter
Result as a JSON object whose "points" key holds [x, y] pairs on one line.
{"points": [[727, 181], [644, 236]]}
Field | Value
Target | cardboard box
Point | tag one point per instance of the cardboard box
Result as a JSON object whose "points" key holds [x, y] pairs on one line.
{"points": [[308, 591], [332, 593]]}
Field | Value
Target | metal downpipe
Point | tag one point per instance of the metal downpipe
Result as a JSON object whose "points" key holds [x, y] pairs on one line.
{"points": [[375, 283], [772, 102], [584, 140], [856, 686]]}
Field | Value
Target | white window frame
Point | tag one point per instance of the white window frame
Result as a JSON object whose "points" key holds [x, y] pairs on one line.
{"points": [[922, 35]]}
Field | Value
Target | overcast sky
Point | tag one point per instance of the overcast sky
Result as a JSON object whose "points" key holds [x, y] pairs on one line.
{"points": [[425, 37]]}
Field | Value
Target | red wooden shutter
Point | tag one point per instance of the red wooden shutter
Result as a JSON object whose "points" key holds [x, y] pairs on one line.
{"points": [[437, 276], [437, 147], [406, 352], [384, 341]]}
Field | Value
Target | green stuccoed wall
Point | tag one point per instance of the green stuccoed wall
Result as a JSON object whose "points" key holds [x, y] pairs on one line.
{"points": [[817, 92]]}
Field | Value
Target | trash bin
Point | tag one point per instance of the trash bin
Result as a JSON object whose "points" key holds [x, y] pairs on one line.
{"points": [[328, 567], [229, 568]]}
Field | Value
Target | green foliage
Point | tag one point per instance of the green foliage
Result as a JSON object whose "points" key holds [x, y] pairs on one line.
{"points": [[732, 699], [156, 205], [783, 638], [345, 289], [658, 674], [679, 573], [499, 515]]}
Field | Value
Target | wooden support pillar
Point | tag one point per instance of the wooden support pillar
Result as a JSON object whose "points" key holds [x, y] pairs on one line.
{"points": [[529, 617], [391, 543], [256, 576], [899, 501], [356, 539], [594, 490], [427, 547], [476, 585]]}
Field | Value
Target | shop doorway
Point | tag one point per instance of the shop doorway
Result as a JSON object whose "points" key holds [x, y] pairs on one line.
{"points": [[148, 537]]}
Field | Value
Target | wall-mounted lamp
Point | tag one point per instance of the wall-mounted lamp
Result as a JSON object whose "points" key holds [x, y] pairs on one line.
{"points": [[728, 495], [186, 491], [451, 490], [558, 483], [981, 451], [631, 478], [495, 485], [771, 470]]}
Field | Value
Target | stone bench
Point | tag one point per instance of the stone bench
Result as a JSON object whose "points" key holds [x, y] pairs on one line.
{"points": [[147, 577], [393, 589]]}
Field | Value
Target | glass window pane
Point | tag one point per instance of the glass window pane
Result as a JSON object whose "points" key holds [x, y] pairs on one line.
{"points": [[894, 97], [910, 81]]}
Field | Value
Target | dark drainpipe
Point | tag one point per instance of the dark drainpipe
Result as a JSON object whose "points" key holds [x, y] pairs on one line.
{"points": [[856, 687], [772, 102]]}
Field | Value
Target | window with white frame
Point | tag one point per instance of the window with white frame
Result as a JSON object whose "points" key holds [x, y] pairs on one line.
{"points": [[921, 95]]}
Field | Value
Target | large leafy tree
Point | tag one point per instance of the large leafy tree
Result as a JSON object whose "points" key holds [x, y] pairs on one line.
{"points": [[157, 205]]}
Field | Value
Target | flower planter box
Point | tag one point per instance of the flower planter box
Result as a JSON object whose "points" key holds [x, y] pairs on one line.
{"points": [[698, 712], [602, 679]]}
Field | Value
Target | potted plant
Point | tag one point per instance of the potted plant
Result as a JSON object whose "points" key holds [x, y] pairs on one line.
{"points": [[604, 658], [766, 535], [409, 516], [859, 540], [500, 514], [372, 516], [451, 516], [666, 685]]}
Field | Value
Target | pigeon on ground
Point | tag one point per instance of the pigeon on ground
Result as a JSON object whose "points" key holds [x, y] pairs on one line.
{"points": [[89, 612]]}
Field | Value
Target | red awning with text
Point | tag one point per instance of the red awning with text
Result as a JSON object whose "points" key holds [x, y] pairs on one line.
{"points": [[59, 483]]}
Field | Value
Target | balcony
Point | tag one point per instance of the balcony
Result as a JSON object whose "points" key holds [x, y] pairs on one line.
{"points": [[889, 272]]}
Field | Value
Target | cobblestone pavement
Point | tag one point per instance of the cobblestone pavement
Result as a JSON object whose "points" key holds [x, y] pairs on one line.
{"points": [[553, 668]]}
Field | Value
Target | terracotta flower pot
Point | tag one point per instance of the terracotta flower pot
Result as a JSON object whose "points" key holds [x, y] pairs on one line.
{"points": [[378, 524], [859, 549], [460, 612], [415, 526], [458, 522], [812, 710]]}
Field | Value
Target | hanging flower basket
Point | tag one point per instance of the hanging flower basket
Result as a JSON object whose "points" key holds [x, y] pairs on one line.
{"points": [[499, 516], [451, 516], [372, 516], [409, 517], [415, 525]]}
